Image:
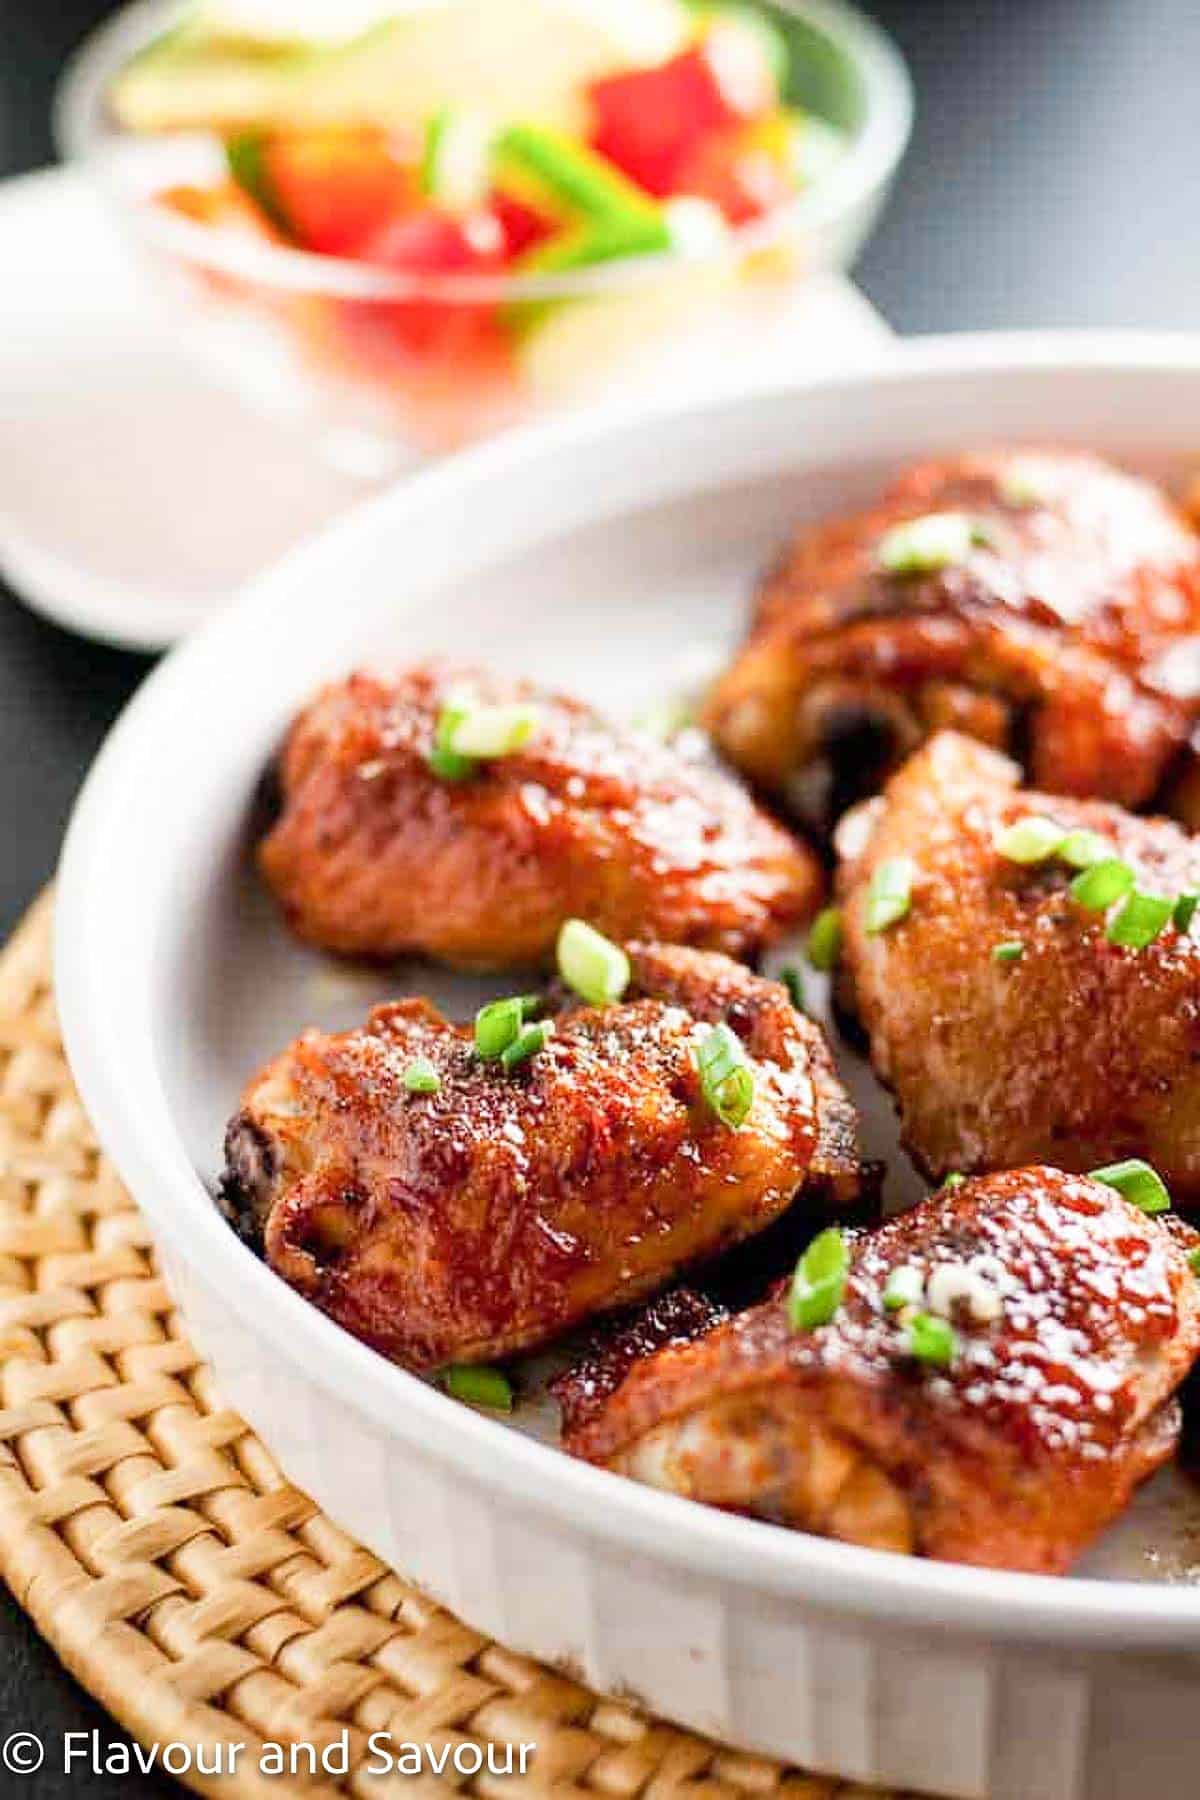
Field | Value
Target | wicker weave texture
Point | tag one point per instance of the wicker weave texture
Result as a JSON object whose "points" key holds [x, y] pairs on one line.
{"points": [[154, 1543]]}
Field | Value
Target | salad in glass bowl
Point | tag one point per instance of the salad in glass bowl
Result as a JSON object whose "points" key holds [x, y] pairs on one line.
{"points": [[416, 223]]}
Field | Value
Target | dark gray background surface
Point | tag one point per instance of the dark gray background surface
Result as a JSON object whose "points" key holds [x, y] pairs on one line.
{"points": [[1053, 180]]}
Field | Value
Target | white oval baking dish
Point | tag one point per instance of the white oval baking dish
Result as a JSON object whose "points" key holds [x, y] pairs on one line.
{"points": [[594, 554]]}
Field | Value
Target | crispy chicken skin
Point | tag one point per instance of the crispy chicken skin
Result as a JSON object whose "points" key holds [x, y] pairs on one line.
{"points": [[1079, 1053], [372, 854], [1060, 636], [490, 1216], [1014, 1456]]}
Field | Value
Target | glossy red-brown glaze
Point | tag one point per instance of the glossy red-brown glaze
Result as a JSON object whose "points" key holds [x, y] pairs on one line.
{"points": [[374, 855], [678, 1317], [488, 1217], [1080, 1053], [1019, 1452], [1062, 635]]}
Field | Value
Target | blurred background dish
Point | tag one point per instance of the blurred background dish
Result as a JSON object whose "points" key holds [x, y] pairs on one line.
{"points": [[449, 220]]}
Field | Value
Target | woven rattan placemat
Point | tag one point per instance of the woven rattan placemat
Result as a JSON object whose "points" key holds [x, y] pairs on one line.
{"points": [[154, 1543]]}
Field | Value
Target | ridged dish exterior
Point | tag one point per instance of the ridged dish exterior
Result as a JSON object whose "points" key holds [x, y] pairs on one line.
{"points": [[940, 1713]]}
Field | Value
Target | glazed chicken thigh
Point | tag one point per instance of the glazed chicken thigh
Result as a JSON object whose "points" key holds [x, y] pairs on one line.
{"points": [[1068, 1318], [1003, 1008], [382, 848], [488, 1215], [1042, 601]]}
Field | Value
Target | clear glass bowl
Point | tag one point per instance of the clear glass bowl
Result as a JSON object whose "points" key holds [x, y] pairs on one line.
{"points": [[347, 349]]}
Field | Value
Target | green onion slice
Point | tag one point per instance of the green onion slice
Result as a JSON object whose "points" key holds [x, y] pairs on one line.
{"points": [[1033, 839], [528, 1041], [1140, 919], [446, 762], [890, 893], [492, 731], [905, 1286], [1139, 1183], [1096, 888], [1185, 911], [479, 1386], [931, 1339], [592, 966], [421, 1077], [1084, 848], [819, 1284], [1010, 952], [825, 939], [498, 1024], [793, 981], [954, 1180], [725, 1076], [1194, 1260], [925, 545]]}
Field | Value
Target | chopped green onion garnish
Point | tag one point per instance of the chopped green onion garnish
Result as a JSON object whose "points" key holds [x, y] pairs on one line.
{"points": [[479, 1386], [925, 545], [596, 969], [819, 1284], [489, 731], [890, 893], [1194, 1260], [1010, 952], [905, 1287], [825, 939], [1138, 1182], [954, 1179], [421, 1077], [1021, 485], [528, 1041], [1185, 911], [445, 762], [1096, 888], [1140, 919], [931, 1339], [498, 1024], [1032, 839], [725, 1078], [1084, 848], [793, 981]]}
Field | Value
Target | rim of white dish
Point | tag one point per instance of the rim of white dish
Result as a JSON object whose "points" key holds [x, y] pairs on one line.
{"points": [[137, 1130], [863, 172]]}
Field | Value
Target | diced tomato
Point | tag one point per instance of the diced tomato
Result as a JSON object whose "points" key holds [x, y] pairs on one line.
{"points": [[648, 121], [738, 173], [523, 227], [432, 242], [335, 189]]}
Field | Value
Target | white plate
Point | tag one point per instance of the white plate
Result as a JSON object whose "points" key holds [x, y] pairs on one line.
{"points": [[136, 494], [598, 555], [138, 491]]}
